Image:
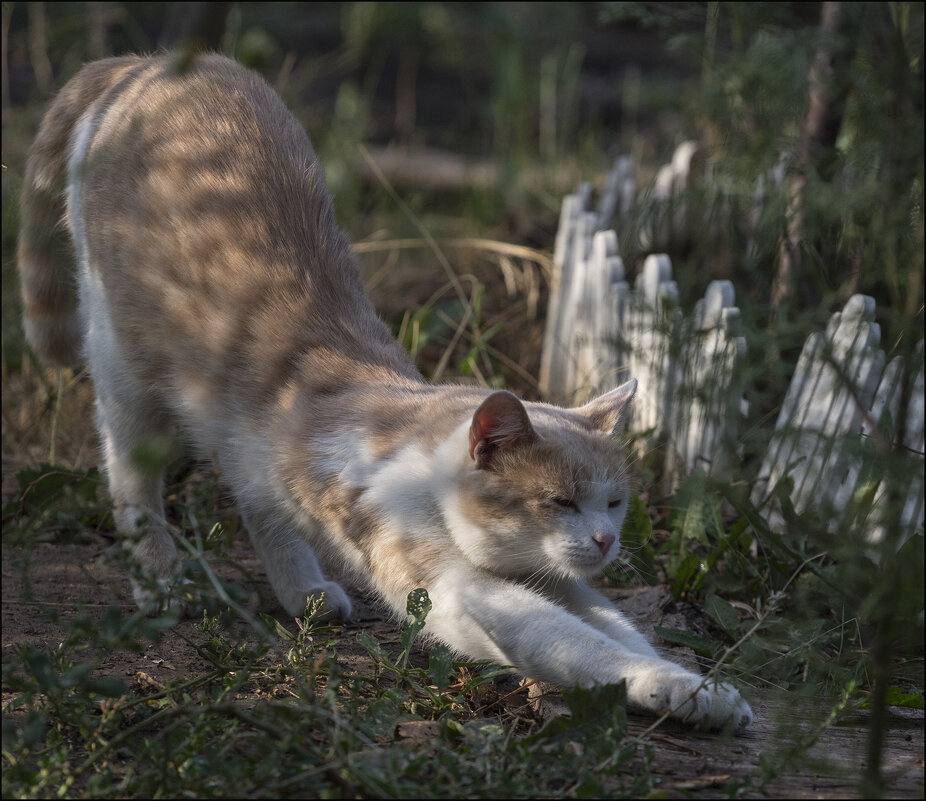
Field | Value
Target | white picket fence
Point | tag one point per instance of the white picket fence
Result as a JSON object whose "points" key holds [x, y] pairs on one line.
{"points": [[842, 394], [690, 404]]}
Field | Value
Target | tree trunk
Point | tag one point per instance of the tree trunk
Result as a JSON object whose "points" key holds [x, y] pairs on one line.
{"points": [[829, 85]]}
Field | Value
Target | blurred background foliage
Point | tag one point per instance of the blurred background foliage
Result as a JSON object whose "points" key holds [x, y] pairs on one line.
{"points": [[531, 98], [479, 118]]}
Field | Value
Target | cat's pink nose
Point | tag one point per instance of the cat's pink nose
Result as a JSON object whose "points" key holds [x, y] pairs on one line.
{"points": [[603, 541]]}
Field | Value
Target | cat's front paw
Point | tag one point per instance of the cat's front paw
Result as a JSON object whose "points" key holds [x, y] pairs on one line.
{"points": [[335, 604], [728, 708], [681, 695]]}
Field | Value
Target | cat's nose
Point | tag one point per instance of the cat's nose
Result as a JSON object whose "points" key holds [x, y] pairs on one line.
{"points": [[603, 541]]}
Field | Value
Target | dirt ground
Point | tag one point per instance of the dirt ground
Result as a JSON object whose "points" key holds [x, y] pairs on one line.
{"points": [[63, 579]]}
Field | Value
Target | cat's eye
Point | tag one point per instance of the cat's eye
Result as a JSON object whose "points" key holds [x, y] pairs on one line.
{"points": [[614, 504], [566, 503]]}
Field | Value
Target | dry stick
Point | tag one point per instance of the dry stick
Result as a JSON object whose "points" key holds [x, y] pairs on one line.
{"points": [[177, 688], [448, 351], [491, 245]]}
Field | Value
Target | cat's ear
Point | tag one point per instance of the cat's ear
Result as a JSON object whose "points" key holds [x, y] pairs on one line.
{"points": [[607, 411], [500, 422]]}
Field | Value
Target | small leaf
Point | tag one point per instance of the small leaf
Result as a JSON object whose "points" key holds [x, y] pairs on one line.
{"points": [[638, 519], [592, 707], [589, 704], [686, 575], [418, 604], [277, 628], [153, 626], [41, 668], [105, 686], [371, 645], [111, 621], [697, 643], [417, 607], [440, 665], [34, 729], [76, 675], [721, 613]]}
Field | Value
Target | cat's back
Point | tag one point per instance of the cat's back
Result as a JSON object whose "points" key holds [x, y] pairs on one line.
{"points": [[203, 156]]}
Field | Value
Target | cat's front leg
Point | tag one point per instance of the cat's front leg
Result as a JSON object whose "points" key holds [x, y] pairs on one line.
{"points": [[292, 566], [594, 608], [715, 703], [490, 618]]}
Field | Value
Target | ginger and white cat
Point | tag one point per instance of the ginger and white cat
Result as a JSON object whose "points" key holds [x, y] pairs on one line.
{"points": [[210, 291]]}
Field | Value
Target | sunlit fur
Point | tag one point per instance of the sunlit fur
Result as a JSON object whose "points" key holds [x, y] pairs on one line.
{"points": [[209, 290]]}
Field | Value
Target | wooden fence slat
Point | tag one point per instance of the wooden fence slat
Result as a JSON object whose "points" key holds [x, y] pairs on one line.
{"points": [[704, 428], [884, 414], [831, 390]]}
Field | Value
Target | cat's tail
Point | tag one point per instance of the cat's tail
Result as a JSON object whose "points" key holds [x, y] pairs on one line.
{"points": [[45, 254]]}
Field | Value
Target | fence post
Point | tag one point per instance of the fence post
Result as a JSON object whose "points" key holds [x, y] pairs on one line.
{"points": [[707, 397], [652, 319]]}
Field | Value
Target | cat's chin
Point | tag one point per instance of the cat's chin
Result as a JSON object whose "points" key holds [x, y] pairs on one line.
{"points": [[582, 567], [582, 571]]}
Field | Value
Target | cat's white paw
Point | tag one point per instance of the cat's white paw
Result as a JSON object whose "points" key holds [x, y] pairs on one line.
{"points": [[728, 707], [155, 575], [336, 603], [712, 706], [155, 596], [672, 691]]}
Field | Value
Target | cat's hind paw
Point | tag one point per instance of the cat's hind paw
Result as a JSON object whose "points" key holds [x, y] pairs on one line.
{"points": [[335, 603], [155, 596]]}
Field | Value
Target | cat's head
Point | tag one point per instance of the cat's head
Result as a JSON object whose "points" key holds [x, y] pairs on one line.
{"points": [[545, 490]]}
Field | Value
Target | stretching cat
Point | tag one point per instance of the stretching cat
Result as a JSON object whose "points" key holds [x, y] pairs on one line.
{"points": [[213, 291]]}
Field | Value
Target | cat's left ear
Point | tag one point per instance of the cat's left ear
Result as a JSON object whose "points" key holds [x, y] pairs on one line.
{"points": [[607, 411], [500, 423]]}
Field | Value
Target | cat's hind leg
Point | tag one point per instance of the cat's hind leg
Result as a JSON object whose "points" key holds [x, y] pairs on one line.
{"points": [[126, 427], [127, 411], [129, 419], [292, 566]]}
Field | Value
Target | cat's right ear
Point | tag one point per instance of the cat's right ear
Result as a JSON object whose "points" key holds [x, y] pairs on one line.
{"points": [[606, 412], [500, 422]]}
